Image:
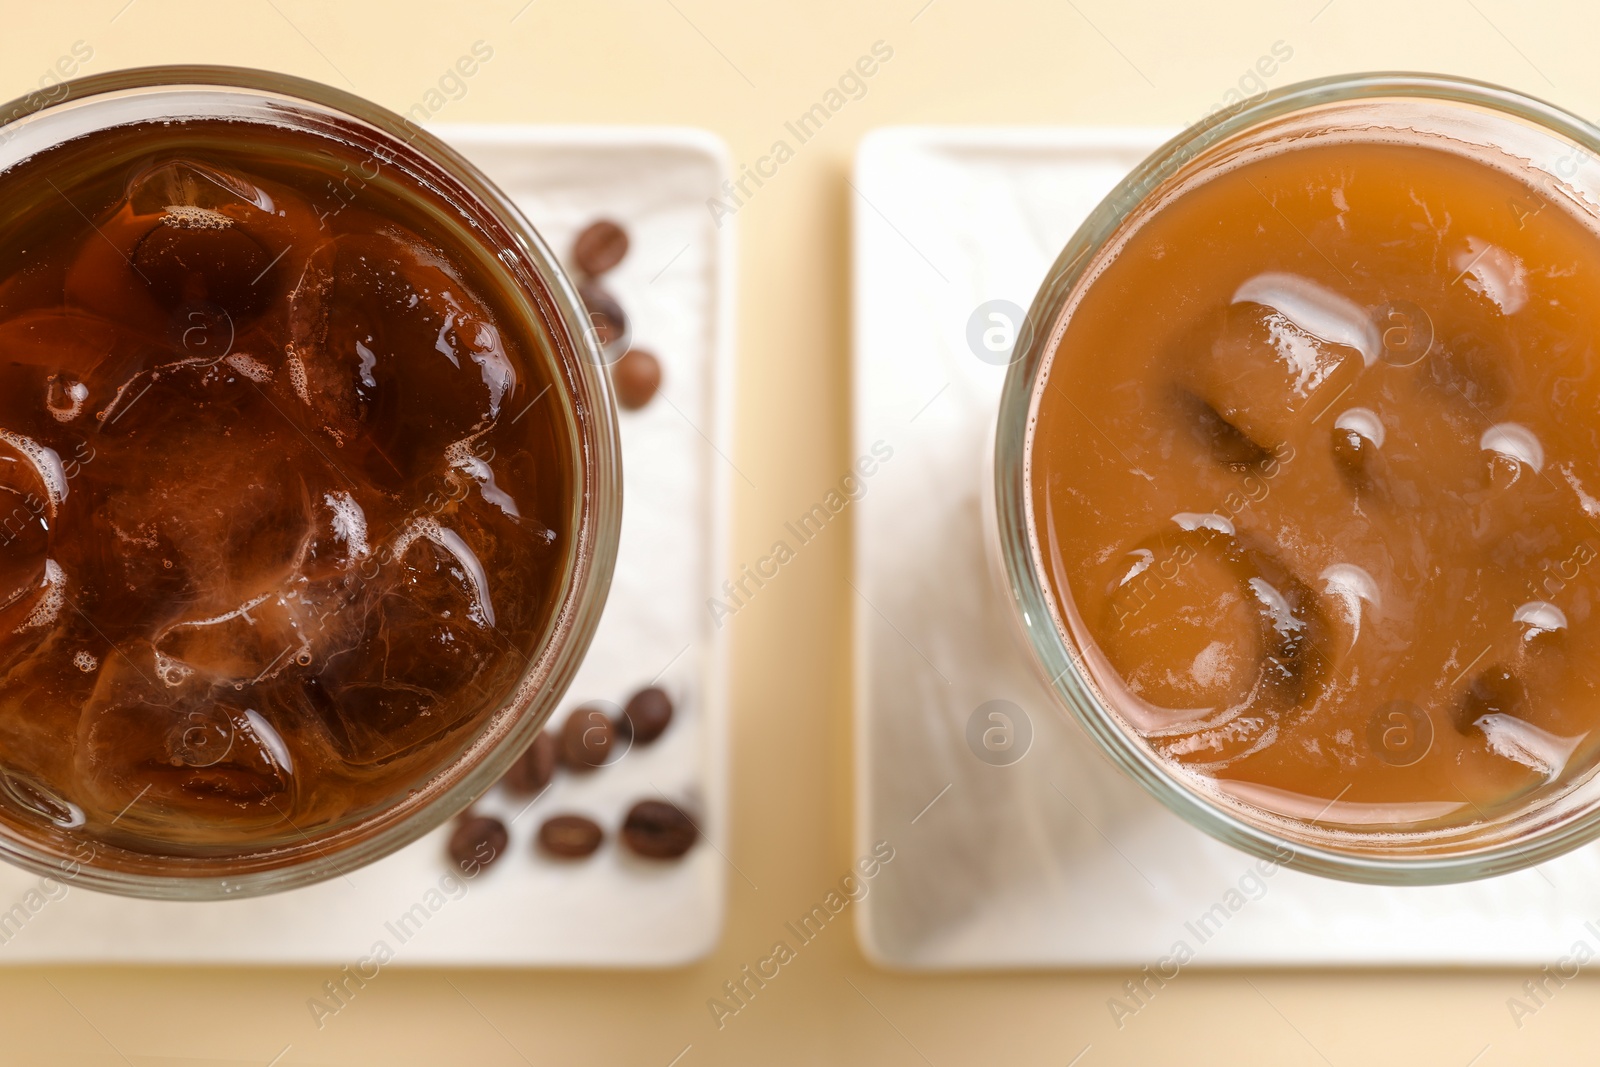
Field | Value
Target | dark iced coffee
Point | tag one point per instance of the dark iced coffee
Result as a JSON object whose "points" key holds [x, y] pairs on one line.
{"points": [[284, 505]]}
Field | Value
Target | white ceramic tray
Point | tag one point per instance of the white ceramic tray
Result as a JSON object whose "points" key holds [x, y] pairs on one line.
{"points": [[1055, 860], [677, 286]]}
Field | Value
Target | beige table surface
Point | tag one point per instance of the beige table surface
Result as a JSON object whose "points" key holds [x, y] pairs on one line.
{"points": [[742, 69]]}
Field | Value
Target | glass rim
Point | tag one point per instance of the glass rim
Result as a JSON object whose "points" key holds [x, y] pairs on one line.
{"points": [[590, 421], [1022, 565]]}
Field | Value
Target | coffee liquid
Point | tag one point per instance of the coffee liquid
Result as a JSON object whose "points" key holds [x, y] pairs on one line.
{"points": [[1315, 478], [284, 503]]}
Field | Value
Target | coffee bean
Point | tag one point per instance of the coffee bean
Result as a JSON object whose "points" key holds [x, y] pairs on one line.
{"points": [[586, 738], [647, 716], [478, 841], [600, 247], [658, 830], [534, 768], [570, 836], [636, 377]]}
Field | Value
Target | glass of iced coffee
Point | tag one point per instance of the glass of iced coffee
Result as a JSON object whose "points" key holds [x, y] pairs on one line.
{"points": [[1298, 486], [309, 483]]}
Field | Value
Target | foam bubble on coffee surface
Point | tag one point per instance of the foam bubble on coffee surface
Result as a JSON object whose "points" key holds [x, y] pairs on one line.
{"points": [[52, 598], [46, 463]]}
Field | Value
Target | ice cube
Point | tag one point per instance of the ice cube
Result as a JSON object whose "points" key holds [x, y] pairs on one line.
{"points": [[311, 607], [188, 185], [467, 571], [189, 194], [1181, 631], [424, 636], [1314, 311], [369, 307], [255, 641], [189, 235], [1264, 374], [183, 523], [147, 752], [1213, 638], [1539, 750], [202, 259]]}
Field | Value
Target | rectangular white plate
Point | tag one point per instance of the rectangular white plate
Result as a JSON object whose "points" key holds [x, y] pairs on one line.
{"points": [[610, 910], [1057, 860]]}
